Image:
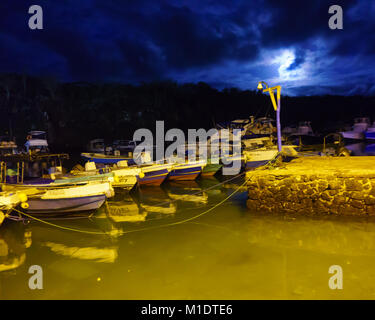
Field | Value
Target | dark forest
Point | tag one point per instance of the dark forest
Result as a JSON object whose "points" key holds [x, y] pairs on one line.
{"points": [[74, 113]]}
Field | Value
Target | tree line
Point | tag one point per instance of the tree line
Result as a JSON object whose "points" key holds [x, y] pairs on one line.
{"points": [[74, 113]]}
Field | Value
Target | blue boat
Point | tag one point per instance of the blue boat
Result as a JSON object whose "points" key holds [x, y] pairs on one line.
{"points": [[105, 159], [154, 175], [186, 171], [370, 135]]}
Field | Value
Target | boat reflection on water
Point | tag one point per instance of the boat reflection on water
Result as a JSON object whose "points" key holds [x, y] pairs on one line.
{"points": [[156, 201], [14, 240], [90, 244], [125, 211], [187, 191], [104, 255], [357, 149]]}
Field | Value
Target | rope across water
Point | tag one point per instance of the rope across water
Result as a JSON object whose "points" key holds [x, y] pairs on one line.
{"points": [[117, 233]]}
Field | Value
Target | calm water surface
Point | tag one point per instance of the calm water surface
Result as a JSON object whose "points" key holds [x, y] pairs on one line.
{"points": [[228, 253]]}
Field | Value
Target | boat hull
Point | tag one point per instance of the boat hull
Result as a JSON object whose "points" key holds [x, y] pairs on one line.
{"points": [[103, 159], [58, 206], [257, 158], [153, 178], [353, 135], [182, 173], [211, 169]]}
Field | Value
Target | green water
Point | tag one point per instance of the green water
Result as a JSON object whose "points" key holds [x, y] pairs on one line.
{"points": [[228, 253]]}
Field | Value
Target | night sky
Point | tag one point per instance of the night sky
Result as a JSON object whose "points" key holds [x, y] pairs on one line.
{"points": [[224, 43]]}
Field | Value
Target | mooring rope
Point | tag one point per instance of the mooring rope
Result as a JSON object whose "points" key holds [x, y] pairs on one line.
{"points": [[58, 226], [136, 230]]}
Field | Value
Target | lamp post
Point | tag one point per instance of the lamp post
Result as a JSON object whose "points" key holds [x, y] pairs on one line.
{"points": [[276, 106]]}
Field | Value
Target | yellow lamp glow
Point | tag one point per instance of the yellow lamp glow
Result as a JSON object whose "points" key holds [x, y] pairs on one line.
{"points": [[260, 87]]}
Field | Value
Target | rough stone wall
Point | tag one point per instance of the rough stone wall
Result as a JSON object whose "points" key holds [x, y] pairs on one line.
{"points": [[332, 192]]}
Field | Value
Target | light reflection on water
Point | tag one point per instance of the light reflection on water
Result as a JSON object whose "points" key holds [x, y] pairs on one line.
{"points": [[230, 253]]}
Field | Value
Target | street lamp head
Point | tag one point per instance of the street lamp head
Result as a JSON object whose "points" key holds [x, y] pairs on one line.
{"points": [[260, 87]]}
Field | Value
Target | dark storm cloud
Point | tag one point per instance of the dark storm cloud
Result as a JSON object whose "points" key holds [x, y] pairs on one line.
{"points": [[232, 43]]}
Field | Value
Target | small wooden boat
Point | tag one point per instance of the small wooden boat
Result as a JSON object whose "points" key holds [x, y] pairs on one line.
{"points": [[68, 199], [211, 168], [120, 178], [154, 174], [186, 171], [148, 174], [259, 157]]}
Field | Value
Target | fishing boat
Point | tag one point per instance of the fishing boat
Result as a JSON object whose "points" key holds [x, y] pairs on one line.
{"points": [[359, 128], [120, 178], [36, 141], [124, 179], [251, 127], [67, 199], [105, 158], [262, 156], [259, 157], [154, 174], [186, 171], [148, 174], [47, 196]]}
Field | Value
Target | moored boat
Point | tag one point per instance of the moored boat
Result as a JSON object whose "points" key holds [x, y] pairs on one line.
{"points": [[154, 174], [105, 159], [211, 168], [125, 178], [186, 171], [358, 130], [68, 199], [259, 157], [262, 156]]}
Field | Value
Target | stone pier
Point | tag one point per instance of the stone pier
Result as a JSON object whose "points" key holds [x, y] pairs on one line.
{"points": [[315, 185]]}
